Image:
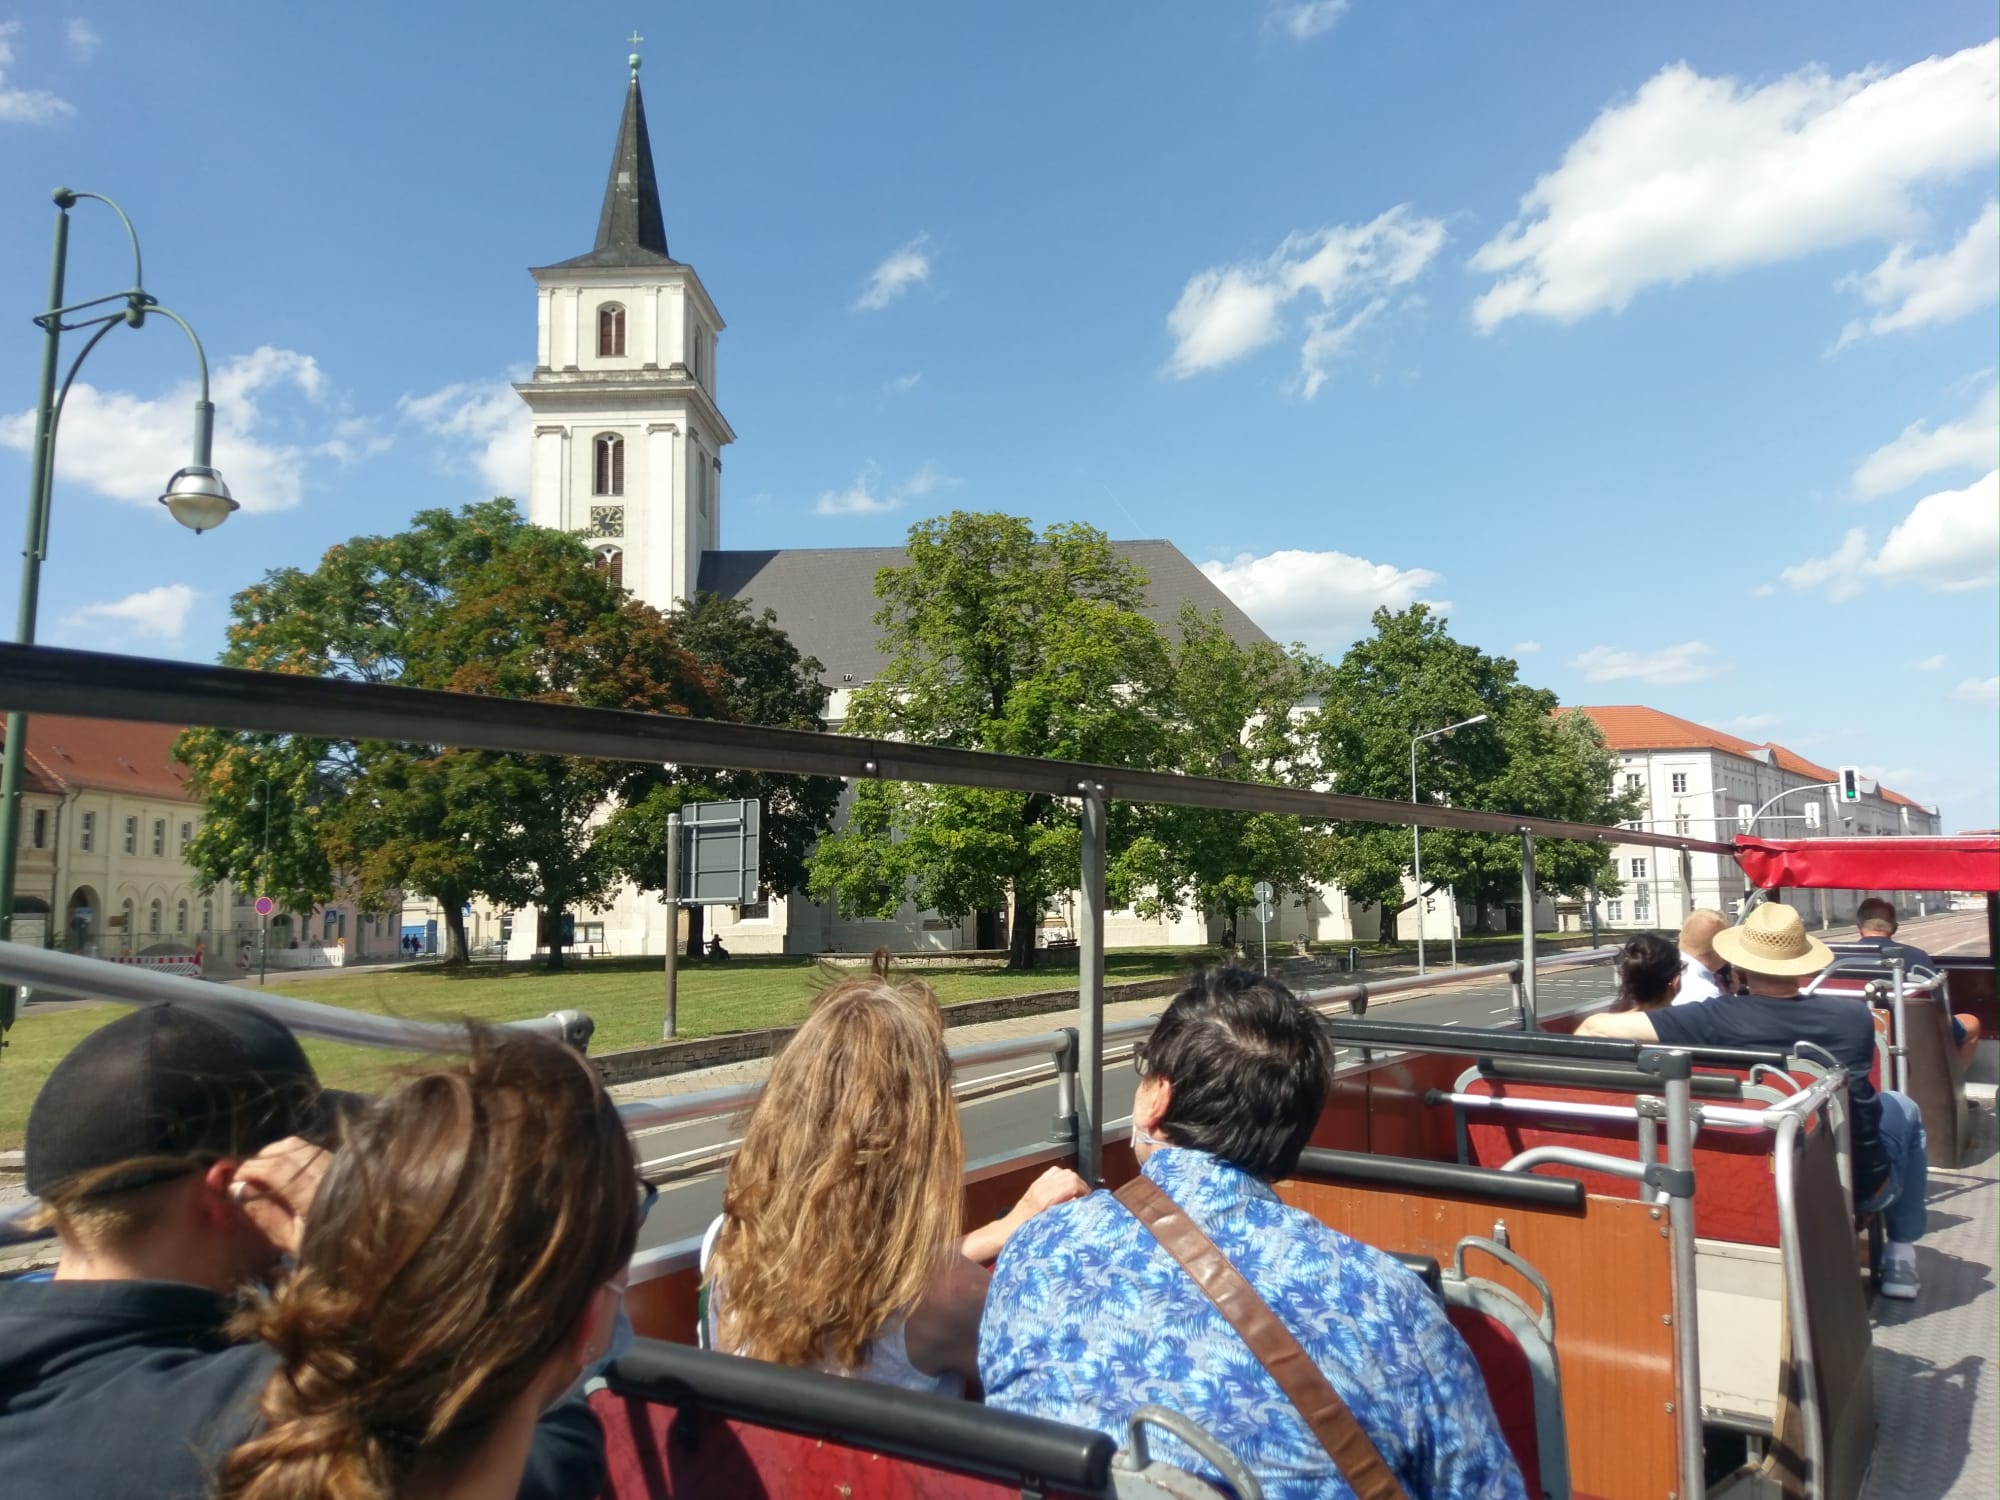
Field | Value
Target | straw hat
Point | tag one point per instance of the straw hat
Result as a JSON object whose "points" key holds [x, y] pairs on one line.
{"points": [[1773, 939]]}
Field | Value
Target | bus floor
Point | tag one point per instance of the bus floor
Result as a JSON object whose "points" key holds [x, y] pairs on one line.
{"points": [[1937, 1412]]}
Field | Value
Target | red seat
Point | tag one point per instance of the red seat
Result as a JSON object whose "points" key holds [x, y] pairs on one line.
{"points": [[1509, 1381]]}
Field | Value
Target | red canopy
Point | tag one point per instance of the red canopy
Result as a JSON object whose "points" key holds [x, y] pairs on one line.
{"points": [[1968, 862]]}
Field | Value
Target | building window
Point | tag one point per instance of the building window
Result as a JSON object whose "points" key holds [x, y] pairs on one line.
{"points": [[1632, 781], [86, 832], [1681, 824], [187, 837], [1638, 869], [1614, 911], [611, 331], [207, 916], [40, 835], [610, 561], [159, 835], [1680, 781], [755, 911], [607, 475], [153, 916], [591, 933], [181, 917], [131, 835], [1642, 905], [125, 916]]}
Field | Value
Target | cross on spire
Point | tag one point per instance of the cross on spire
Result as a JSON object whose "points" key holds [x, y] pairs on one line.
{"points": [[633, 41]]}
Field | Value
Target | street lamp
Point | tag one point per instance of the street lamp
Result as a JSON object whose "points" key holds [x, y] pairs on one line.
{"points": [[262, 794], [195, 496], [1417, 830]]}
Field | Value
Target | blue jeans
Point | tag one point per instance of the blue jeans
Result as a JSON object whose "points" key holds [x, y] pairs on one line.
{"points": [[1901, 1200]]}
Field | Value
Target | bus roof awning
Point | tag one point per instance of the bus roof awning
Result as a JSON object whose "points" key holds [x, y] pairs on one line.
{"points": [[1968, 862]]}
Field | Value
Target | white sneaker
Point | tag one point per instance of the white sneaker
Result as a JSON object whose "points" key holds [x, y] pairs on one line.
{"points": [[1899, 1275]]}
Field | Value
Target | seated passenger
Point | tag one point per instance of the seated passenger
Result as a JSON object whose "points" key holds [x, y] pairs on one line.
{"points": [[1704, 973], [839, 1245], [1090, 1317], [1772, 951], [1649, 973], [1875, 921], [167, 1151], [462, 1264]]}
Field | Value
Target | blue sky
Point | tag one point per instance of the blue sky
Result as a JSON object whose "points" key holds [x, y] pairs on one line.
{"points": [[1658, 343]]}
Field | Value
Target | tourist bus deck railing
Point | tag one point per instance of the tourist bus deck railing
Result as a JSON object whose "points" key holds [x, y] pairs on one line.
{"points": [[1883, 968]]}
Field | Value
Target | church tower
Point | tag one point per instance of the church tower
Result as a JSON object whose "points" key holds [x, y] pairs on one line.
{"points": [[627, 436]]}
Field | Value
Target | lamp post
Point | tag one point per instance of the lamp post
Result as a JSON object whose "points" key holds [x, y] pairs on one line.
{"points": [[1417, 829], [262, 788], [195, 495]]}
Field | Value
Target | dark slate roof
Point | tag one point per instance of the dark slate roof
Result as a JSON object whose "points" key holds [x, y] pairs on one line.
{"points": [[631, 230], [824, 597]]}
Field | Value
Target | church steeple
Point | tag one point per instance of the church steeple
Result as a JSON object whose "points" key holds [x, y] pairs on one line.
{"points": [[630, 222]]}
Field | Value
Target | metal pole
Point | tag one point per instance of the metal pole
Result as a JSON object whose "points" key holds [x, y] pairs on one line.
{"points": [[672, 1022], [1528, 1015], [264, 889], [1680, 1224], [1090, 990], [39, 471], [1417, 858], [1593, 909], [1453, 899]]}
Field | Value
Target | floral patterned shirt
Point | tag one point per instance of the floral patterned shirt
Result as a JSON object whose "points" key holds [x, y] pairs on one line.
{"points": [[1089, 1318]]}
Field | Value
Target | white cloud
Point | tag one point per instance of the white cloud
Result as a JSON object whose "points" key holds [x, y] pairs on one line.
{"points": [[1750, 723], [160, 612], [1697, 176], [1350, 270], [1527, 648], [1917, 290], [25, 106], [903, 269], [82, 38], [1309, 18], [865, 497], [1970, 442], [1947, 543], [1322, 598], [902, 385], [1983, 690], [486, 423], [1690, 661], [127, 446], [1929, 664]]}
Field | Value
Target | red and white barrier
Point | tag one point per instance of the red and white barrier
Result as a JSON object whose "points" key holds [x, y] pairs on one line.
{"points": [[167, 963]]}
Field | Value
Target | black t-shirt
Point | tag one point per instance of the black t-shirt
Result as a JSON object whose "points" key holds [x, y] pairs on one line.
{"points": [[1913, 956], [1842, 1024]]}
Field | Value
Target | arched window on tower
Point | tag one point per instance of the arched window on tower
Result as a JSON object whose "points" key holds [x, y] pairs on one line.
{"points": [[611, 562], [611, 331], [608, 470]]}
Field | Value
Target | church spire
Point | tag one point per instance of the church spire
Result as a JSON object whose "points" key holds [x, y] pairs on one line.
{"points": [[630, 229]]}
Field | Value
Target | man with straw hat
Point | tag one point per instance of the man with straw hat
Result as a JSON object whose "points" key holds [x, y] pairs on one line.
{"points": [[1771, 952]]}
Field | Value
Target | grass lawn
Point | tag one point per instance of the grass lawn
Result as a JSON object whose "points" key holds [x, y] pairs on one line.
{"points": [[625, 997]]}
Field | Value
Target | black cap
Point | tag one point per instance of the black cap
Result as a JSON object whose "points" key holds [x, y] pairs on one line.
{"points": [[200, 1082]]}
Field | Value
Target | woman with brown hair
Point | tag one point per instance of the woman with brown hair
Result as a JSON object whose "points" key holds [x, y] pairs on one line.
{"points": [[840, 1245], [460, 1265]]}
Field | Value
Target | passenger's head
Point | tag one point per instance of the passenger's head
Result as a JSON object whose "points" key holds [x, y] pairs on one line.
{"points": [[1698, 934], [843, 1200], [136, 1137], [1236, 1067], [1772, 950], [461, 1263], [1649, 972], [1876, 917]]}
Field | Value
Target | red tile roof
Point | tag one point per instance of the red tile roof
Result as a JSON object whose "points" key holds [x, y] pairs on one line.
{"points": [[104, 755], [1632, 726]]}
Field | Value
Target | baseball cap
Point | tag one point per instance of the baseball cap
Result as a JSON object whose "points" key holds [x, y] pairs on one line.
{"points": [[206, 1081]]}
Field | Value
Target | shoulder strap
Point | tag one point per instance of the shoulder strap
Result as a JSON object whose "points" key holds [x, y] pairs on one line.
{"points": [[1268, 1338]]}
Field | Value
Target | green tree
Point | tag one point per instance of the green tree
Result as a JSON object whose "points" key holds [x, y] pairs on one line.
{"points": [[766, 681], [1410, 677], [1006, 640], [1232, 712]]}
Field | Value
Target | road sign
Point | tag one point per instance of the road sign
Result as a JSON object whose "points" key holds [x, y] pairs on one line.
{"points": [[265, 906], [1263, 911], [1746, 816], [1262, 890], [719, 853], [1812, 815]]}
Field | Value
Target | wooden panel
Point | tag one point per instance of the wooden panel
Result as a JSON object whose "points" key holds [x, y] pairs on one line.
{"points": [[1610, 1270], [1399, 1122], [1968, 987], [664, 1307], [1936, 1084], [1343, 1120]]}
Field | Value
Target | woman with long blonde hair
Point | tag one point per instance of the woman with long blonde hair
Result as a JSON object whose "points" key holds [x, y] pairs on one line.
{"points": [[461, 1263], [840, 1244]]}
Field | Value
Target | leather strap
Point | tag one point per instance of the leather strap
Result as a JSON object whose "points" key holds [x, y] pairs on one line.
{"points": [[1268, 1338]]}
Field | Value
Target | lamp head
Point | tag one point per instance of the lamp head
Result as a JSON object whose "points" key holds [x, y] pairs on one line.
{"points": [[199, 499]]}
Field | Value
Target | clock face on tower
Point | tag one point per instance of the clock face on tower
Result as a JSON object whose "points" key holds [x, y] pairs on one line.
{"points": [[606, 520]]}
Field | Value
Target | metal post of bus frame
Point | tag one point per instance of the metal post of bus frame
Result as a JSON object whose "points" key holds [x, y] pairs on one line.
{"points": [[1899, 1052], [1593, 909], [1528, 1013], [672, 1022], [1090, 989], [1680, 1224]]}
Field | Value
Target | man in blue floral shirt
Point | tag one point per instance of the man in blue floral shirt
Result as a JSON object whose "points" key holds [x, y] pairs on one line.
{"points": [[1089, 1317]]}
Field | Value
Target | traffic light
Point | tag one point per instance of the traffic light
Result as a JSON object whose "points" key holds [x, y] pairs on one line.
{"points": [[1850, 783]]}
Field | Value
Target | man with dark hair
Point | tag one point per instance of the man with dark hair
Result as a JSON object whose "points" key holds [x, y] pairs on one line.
{"points": [[1090, 1316], [176, 1152], [1875, 923]]}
